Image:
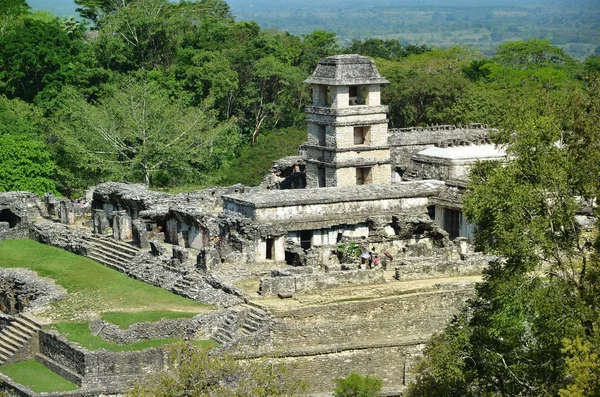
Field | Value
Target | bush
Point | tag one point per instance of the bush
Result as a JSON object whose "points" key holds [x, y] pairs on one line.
{"points": [[356, 385]]}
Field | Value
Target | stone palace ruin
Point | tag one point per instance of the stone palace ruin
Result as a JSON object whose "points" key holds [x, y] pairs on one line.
{"points": [[347, 257]]}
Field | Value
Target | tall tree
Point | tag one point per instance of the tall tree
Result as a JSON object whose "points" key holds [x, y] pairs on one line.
{"points": [[136, 133]]}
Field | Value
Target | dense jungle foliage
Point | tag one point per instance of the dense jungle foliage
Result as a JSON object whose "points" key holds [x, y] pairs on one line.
{"points": [[177, 94]]}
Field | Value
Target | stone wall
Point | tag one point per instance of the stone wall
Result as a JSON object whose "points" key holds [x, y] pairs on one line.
{"points": [[17, 210], [287, 283], [419, 268], [99, 369], [22, 290], [390, 363], [354, 323], [406, 142], [61, 236]]}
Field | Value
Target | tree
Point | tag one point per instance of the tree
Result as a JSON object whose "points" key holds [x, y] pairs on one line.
{"points": [[97, 10], [356, 385], [532, 53], [423, 88], [25, 163], [201, 372], [136, 133], [32, 55], [535, 317]]}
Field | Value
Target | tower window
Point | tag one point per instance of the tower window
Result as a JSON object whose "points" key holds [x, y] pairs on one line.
{"points": [[321, 176], [362, 135], [363, 176], [321, 132], [357, 95]]}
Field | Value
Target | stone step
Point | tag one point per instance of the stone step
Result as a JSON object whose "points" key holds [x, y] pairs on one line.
{"points": [[107, 262], [112, 251], [17, 332], [7, 350], [111, 254], [259, 318], [28, 322], [248, 329], [117, 245], [24, 327], [252, 323], [3, 358], [12, 343]]}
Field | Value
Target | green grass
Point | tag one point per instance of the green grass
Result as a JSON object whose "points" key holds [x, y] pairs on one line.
{"points": [[124, 320], [37, 377], [92, 287], [80, 333]]}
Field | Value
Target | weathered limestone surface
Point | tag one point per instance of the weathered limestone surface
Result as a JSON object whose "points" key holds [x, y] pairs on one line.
{"points": [[391, 364], [385, 320], [61, 236], [17, 210], [288, 283], [329, 204], [23, 290], [346, 70]]}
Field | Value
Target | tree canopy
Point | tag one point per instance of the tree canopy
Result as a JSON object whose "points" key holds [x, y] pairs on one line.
{"points": [[534, 322]]}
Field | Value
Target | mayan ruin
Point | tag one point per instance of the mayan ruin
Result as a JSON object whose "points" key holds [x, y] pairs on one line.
{"points": [[346, 258]]}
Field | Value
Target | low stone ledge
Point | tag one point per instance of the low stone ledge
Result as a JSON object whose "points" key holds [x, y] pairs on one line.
{"points": [[61, 236], [185, 328], [339, 348], [289, 283]]}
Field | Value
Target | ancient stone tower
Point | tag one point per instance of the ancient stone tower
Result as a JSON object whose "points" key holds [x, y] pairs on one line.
{"points": [[347, 125]]}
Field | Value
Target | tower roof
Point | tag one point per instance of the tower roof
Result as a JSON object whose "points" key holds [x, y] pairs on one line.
{"points": [[349, 69]]}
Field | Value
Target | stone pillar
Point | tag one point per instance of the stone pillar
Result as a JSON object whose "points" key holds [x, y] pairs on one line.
{"points": [[280, 249], [52, 204], [180, 253], [67, 216], [171, 235], [201, 261], [100, 221], [139, 233], [121, 226]]}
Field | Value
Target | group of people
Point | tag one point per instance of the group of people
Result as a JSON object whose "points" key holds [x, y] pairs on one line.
{"points": [[370, 259], [81, 202]]}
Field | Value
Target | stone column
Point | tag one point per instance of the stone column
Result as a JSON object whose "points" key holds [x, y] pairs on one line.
{"points": [[100, 221], [67, 216], [140, 235], [121, 226]]}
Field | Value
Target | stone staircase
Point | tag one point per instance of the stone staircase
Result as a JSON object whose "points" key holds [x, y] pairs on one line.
{"points": [[241, 322], [188, 285], [16, 335], [112, 253]]}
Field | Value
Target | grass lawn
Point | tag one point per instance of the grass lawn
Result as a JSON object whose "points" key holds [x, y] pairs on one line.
{"points": [[92, 287], [125, 319], [80, 333], [37, 377]]}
